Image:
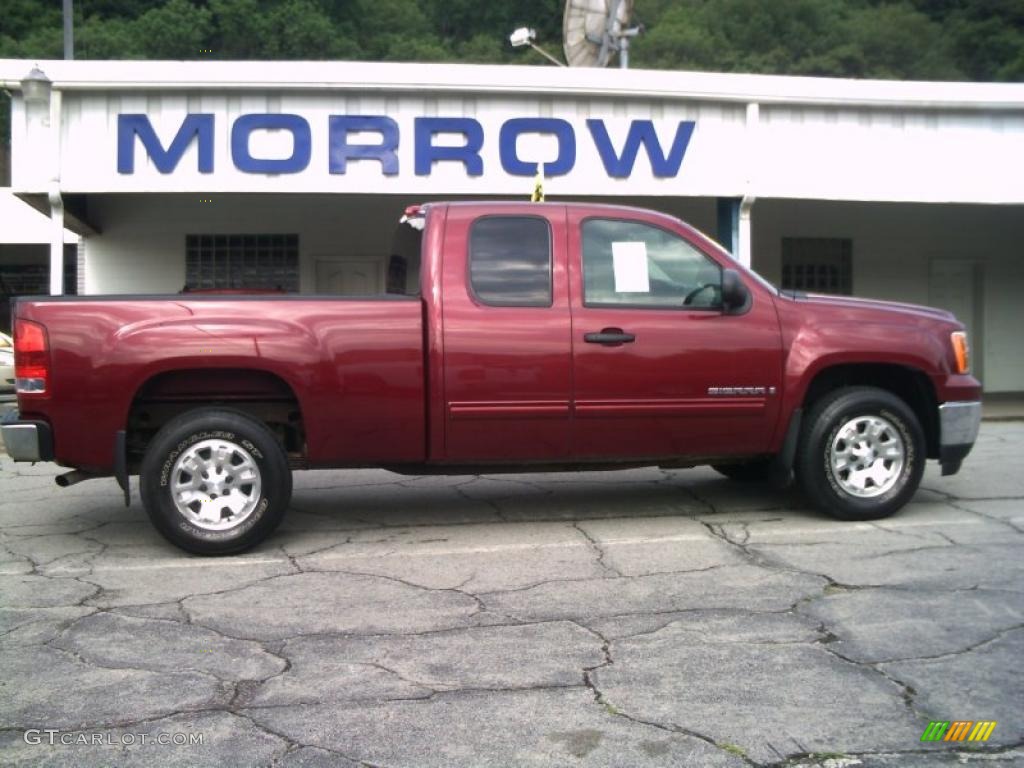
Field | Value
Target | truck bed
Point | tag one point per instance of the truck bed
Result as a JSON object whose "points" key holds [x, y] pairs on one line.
{"points": [[109, 353]]}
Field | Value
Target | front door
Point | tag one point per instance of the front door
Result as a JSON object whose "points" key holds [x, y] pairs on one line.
{"points": [[659, 369], [506, 335]]}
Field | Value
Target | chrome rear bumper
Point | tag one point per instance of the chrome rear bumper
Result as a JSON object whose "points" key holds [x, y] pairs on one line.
{"points": [[26, 440]]}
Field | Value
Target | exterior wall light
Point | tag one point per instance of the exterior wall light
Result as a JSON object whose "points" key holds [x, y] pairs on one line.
{"points": [[36, 88]]}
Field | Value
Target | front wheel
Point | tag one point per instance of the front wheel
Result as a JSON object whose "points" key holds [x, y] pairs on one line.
{"points": [[861, 454], [215, 482]]}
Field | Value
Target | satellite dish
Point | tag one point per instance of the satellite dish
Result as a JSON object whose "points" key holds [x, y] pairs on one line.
{"points": [[594, 30]]}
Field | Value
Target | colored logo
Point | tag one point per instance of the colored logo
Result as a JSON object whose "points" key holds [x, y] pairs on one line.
{"points": [[958, 730]]}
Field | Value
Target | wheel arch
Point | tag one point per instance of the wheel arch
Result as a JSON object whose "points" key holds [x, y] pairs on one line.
{"points": [[260, 394], [910, 384]]}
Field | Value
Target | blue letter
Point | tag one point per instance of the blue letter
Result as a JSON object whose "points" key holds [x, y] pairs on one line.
{"points": [[246, 124], [469, 153], [130, 126], [641, 132], [341, 151], [511, 130]]}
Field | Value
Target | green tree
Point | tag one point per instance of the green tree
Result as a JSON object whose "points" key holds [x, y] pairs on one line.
{"points": [[98, 38], [975, 39], [31, 29], [743, 36], [176, 30], [294, 29], [396, 30], [898, 41], [987, 39], [462, 20]]}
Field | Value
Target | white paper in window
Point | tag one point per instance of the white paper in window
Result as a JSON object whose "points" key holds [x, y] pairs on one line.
{"points": [[629, 260]]}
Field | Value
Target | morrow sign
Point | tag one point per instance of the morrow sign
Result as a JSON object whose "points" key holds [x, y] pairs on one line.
{"points": [[345, 134]]}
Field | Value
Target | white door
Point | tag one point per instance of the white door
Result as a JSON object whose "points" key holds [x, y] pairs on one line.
{"points": [[956, 285], [349, 278]]}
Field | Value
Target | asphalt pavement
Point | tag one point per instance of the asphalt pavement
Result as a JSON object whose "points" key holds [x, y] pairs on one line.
{"points": [[634, 618]]}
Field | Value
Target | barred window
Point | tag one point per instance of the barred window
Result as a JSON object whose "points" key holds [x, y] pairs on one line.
{"points": [[242, 261], [27, 272], [817, 265]]}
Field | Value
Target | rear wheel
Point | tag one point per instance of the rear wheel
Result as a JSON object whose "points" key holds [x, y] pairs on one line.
{"points": [[215, 482], [861, 454]]}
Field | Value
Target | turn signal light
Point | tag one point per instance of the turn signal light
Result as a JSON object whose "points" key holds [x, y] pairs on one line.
{"points": [[962, 351], [31, 357]]}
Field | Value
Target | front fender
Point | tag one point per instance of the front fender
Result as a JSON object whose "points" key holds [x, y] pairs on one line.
{"points": [[816, 348]]}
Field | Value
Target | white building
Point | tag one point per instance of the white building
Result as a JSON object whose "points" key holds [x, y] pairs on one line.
{"points": [[292, 174]]}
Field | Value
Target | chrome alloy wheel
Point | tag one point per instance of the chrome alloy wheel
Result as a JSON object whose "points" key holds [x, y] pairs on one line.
{"points": [[215, 484], [867, 456]]}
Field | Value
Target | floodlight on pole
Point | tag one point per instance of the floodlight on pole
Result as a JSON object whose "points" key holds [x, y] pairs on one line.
{"points": [[525, 36]]}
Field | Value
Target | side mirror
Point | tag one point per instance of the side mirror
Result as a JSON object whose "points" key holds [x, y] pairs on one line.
{"points": [[735, 294]]}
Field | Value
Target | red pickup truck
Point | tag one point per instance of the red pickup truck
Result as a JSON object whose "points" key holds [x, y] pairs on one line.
{"points": [[516, 336]]}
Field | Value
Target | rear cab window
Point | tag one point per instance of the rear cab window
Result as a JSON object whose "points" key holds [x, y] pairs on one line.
{"points": [[510, 261]]}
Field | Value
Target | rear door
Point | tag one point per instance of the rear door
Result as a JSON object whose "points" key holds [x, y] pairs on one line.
{"points": [[506, 334], [659, 369]]}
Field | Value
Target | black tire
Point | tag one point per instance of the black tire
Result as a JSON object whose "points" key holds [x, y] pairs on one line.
{"points": [[849, 409], [247, 455], [759, 471]]}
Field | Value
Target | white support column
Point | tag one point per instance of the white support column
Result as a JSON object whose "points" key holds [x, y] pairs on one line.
{"points": [[56, 242], [56, 201], [745, 227], [752, 159]]}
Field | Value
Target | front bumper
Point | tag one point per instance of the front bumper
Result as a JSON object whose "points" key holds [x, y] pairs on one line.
{"points": [[26, 440], [958, 429]]}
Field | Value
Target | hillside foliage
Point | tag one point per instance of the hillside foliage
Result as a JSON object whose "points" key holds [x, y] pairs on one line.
{"points": [[909, 39]]}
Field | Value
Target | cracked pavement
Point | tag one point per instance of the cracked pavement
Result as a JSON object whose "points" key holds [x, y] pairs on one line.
{"points": [[630, 618]]}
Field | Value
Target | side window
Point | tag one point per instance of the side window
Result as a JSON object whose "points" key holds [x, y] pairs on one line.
{"points": [[626, 263], [510, 261]]}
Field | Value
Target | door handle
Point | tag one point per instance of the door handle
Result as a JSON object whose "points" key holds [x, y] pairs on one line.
{"points": [[611, 337]]}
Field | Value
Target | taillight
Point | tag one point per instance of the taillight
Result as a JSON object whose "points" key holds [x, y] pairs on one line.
{"points": [[961, 351], [31, 357]]}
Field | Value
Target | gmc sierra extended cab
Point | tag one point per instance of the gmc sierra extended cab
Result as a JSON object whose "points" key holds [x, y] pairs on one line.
{"points": [[515, 336]]}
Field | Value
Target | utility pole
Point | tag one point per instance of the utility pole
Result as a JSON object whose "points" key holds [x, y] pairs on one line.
{"points": [[69, 31]]}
